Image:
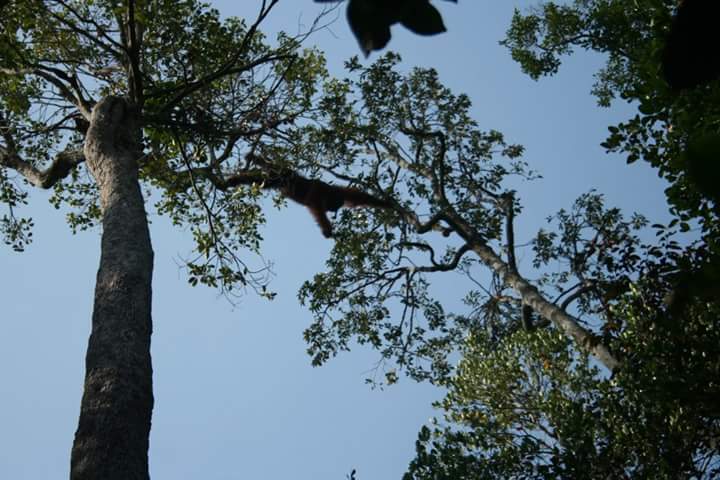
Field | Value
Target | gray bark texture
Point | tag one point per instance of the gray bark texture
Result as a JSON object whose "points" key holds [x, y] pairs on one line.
{"points": [[530, 296], [112, 439]]}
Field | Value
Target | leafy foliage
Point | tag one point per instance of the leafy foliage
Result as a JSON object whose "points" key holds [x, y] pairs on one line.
{"points": [[675, 132], [402, 136], [202, 108], [525, 400], [530, 404], [531, 408]]}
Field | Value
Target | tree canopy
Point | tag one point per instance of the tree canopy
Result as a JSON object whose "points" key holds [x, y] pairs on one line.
{"points": [[600, 359], [137, 97], [531, 405]]}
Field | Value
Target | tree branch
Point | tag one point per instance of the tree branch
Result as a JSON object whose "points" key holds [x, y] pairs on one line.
{"points": [[529, 293], [72, 93], [531, 296], [587, 288], [61, 166], [508, 206], [92, 38], [133, 47], [193, 87], [227, 68], [437, 267], [439, 159]]}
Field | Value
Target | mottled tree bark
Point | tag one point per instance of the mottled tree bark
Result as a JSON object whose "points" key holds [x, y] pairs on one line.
{"points": [[112, 439]]}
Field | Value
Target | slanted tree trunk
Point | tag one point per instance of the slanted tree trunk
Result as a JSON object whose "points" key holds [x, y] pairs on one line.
{"points": [[112, 439]]}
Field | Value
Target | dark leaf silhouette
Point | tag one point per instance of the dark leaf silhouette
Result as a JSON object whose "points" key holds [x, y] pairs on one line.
{"points": [[423, 19], [370, 20], [690, 56]]}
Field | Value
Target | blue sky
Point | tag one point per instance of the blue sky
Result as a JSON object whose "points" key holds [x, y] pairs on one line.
{"points": [[236, 396]]}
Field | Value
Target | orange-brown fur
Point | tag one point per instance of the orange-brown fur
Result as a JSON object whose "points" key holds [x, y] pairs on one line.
{"points": [[320, 197]]}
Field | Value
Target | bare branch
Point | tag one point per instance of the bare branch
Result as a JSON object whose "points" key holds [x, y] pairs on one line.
{"points": [[439, 159], [587, 288], [437, 267]]}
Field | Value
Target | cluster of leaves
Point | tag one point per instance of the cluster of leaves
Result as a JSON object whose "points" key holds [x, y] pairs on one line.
{"points": [[675, 132], [524, 400], [531, 407], [530, 404], [589, 257], [16, 232], [370, 20], [202, 108], [406, 134]]}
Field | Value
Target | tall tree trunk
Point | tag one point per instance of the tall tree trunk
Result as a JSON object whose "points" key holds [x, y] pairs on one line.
{"points": [[112, 439]]}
